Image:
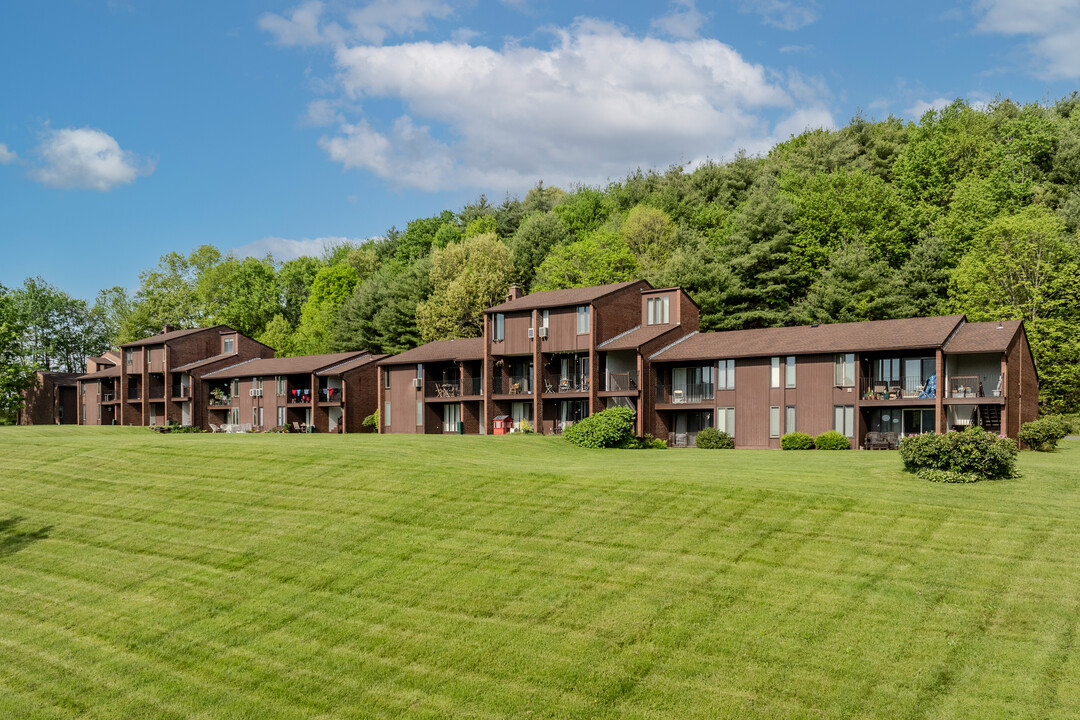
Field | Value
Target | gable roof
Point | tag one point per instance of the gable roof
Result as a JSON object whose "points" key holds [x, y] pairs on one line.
{"points": [[205, 361], [440, 351], [112, 371], [984, 337], [61, 379], [874, 335], [259, 367], [349, 365], [636, 337], [562, 298], [173, 335]]}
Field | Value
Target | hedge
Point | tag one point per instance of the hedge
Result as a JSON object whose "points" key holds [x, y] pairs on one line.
{"points": [[973, 451], [712, 439], [796, 441], [1043, 435], [832, 440], [609, 428]]}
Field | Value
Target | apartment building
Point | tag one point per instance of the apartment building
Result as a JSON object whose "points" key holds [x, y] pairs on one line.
{"points": [[889, 376], [157, 379], [51, 400], [328, 393], [437, 388]]}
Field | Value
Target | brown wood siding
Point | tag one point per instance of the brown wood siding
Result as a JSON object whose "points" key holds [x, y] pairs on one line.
{"points": [[562, 332], [814, 394], [402, 397], [1022, 400], [516, 340], [752, 403]]}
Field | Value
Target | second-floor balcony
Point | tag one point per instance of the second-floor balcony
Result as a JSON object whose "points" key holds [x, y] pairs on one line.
{"points": [[975, 386], [453, 388], [156, 393], [330, 395], [220, 400], [181, 392], [512, 385], [666, 393], [913, 387], [134, 393], [573, 383], [620, 381], [299, 396]]}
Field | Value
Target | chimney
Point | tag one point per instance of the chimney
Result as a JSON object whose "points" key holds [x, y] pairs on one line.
{"points": [[167, 329], [515, 292]]}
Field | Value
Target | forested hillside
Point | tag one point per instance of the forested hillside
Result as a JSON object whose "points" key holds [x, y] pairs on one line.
{"points": [[972, 210]]}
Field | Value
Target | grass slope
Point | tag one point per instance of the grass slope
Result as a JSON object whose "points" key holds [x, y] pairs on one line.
{"points": [[432, 577]]}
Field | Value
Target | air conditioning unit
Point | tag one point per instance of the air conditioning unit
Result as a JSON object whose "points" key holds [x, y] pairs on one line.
{"points": [[417, 383], [530, 333], [258, 392], [543, 333], [251, 393]]}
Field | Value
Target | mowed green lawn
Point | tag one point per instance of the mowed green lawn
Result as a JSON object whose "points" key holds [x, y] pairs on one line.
{"points": [[262, 576]]}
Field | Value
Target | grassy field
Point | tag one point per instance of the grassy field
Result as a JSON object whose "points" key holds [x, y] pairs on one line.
{"points": [[264, 576]]}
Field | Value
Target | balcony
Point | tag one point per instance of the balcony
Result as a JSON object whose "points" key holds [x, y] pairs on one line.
{"points": [[689, 393], [554, 384], [975, 386], [512, 385], [134, 393], [156, 393], [454, 388], [620, 382], [299, 397], [913, 387], [330, 395], [221, 401], [181, 392]]}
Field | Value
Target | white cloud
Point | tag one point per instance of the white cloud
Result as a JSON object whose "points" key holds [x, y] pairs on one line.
{"points": [[782, 14], [323, 112], [596, 104], [684, 20], [7, 156], [86, 158], [284, 249], [1053, 25], [797, 49], [919, 108], [305, 24]]}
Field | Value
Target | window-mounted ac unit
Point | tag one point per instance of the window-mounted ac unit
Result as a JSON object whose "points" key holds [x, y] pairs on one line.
{"points": [[255, 392], [417, 382], [530, 333], [251, 393], [543, 333]]}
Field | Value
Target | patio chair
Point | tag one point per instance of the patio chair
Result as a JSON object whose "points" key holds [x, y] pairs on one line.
{"points": [[930, 390], [876, 441], [214, 428], [548, 387], [515, 389], [892, 440], [880, 389], [296, 426]]}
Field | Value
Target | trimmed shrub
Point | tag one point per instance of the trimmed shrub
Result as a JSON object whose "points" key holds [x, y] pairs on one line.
{"points": [[645, 442], [372, 420], [1043, 435], [712, 439], [796, 441], [606, 429], [973, 451], [525, 427], [832, 440]]}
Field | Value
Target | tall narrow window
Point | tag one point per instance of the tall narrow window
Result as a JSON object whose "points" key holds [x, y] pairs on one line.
{"points": [[725, 420], [725, 375], [279, 387], [498, 327], [774, 374], [419, 412], [229, 344], [419, 371], [789, 372], [386, 378], [386, 415], [774, 422], [583, 319], [844, 419], [657, 310], [281, 416], [236, 391], [845, 369], [789, 419], [543, 318], [129, 356]]}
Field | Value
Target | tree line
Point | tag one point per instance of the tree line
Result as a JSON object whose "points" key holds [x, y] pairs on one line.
{"points": [[971, 210]]}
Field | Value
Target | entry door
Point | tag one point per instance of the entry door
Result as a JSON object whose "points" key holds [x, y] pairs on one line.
{"points": [[451, 417]]}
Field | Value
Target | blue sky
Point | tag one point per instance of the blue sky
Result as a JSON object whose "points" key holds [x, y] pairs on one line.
{"points": [[131, 128]]}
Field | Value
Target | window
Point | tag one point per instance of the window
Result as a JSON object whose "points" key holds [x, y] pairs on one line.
{"points": [[386, 378], [583, 319], [725, 375], [451, 417], [725, 420], [281, 416], [98, 413], [419, 412], [236, 391], [129, 357], [419, 371], [845, 369], [255, 417], [774, 374], [498, 328], [657, 310], [789, 419], [234, 416], [789, 372], [774, 422], [543, 318], [83, 386], [229, 344], [279, 387], [386, 414], [84, 411], [257, 383], [844, 419]]}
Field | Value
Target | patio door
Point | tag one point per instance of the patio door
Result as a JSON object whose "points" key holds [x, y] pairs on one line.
{"points": [[185, 413], [918, 421], [451, 417]]}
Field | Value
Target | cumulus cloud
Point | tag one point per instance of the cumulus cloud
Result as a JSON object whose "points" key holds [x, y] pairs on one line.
{"points": [[1052, 25], [285, 249], [305, 25], [684, 20], [782, 14], [86, 158], [596, 104], [7, 156], [919, 108]]}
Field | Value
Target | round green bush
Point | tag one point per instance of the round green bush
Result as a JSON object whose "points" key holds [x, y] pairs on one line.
{"points": [[609, 428], [796, 441], [1043, 435], [832, 440], [973, 451], [712, 439]]}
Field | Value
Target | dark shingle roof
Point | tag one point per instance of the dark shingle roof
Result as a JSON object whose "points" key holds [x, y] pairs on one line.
{"points": [[980, 337], [166, 337], [108, 372], [440, 351], [876, 335], [561, 298], [261, 367], [205, 361], [102, 360], [350, 365], [635, 338], [62, 379]]}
